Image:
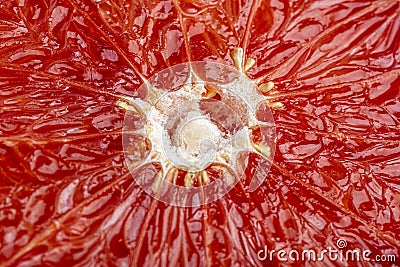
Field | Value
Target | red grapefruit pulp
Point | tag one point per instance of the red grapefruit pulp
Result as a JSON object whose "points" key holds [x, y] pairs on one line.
{"points": [[67, 197]]}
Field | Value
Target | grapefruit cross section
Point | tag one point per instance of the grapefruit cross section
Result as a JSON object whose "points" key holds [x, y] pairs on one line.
{"points": [[193, 117]]}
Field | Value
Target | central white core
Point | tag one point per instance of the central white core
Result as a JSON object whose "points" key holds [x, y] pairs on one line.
{"points": [[198, 136]]}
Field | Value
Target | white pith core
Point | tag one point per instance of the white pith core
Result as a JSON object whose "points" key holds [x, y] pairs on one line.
{"points": [[196, 133], [194, 141]]}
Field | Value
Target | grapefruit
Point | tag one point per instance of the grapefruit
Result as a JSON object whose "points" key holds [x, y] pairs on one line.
{"points": [[68, 199]]}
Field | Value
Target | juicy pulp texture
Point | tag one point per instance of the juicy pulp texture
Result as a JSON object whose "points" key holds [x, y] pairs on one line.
{"points": [[66, 197]]}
